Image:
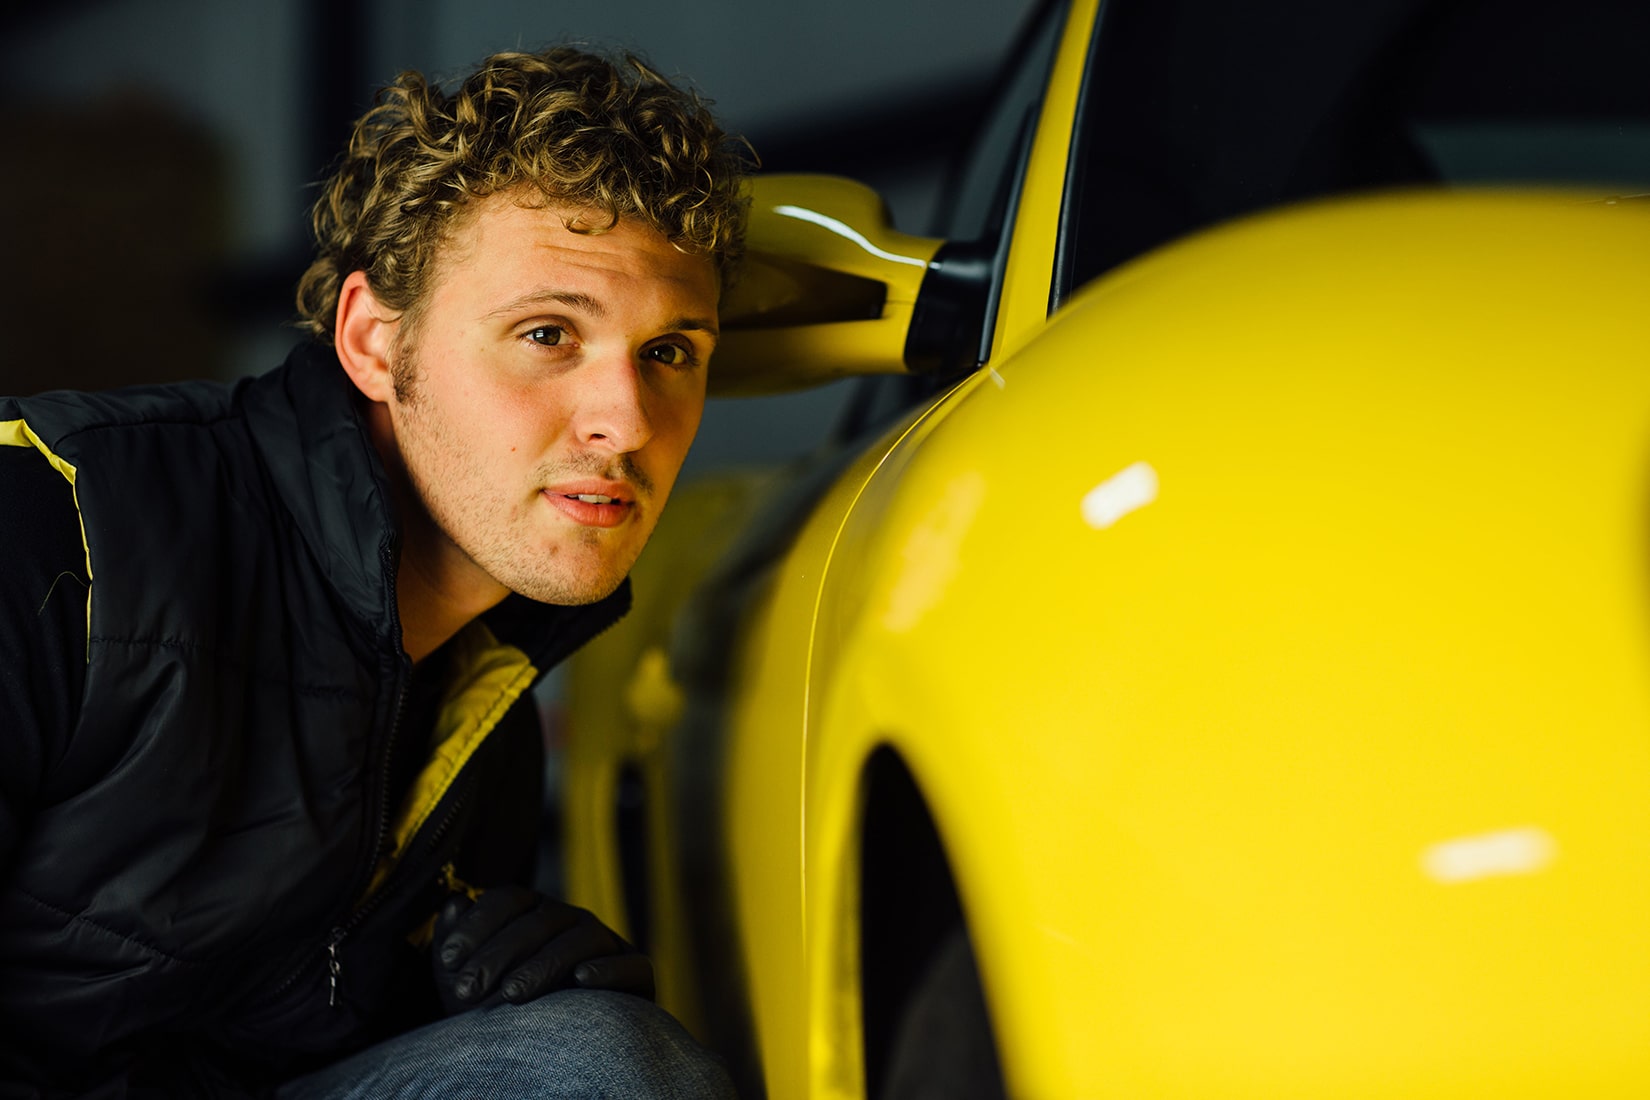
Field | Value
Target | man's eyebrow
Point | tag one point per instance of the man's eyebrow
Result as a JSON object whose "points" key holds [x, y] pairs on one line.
{"points": [[695, 324], [572, 299], [588, 305]]}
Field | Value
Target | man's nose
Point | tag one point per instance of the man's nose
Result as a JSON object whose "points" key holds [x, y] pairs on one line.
{"points": [[613, 405]]}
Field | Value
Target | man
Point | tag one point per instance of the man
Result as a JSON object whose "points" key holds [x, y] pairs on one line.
{"points": [[268, 774]]}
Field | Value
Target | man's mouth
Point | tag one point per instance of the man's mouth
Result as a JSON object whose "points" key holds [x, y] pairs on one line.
{"points": [[593, 509]]}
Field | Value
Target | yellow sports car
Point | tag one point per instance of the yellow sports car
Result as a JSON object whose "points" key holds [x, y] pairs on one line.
{"points": [[1213, 658]]}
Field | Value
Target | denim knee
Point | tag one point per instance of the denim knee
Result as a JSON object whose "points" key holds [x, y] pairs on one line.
{"points": [[574, 1043], [623, 1046]]}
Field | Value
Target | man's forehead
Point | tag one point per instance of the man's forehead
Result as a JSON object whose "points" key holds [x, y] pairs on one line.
{"points": [[559, 221], [511, 227]]}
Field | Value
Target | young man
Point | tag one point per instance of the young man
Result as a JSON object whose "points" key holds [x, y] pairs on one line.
{"points": [[268, 771]]}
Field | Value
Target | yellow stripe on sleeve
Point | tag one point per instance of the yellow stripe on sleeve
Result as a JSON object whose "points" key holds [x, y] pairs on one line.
{"points": [[17, 433]]}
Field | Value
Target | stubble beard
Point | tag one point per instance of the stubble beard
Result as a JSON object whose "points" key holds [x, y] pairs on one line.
{"points": [[477, 525]]}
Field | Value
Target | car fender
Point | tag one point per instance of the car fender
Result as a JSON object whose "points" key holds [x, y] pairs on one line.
{"points": [[1269, 638]]}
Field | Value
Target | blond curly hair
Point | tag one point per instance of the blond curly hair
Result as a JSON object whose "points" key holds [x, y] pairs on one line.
{"points": [[588, 132]]}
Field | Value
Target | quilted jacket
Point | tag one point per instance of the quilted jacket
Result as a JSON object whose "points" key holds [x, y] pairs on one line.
{"points": [[214, 885]]}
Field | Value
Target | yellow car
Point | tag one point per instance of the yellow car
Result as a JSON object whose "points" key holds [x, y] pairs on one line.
{"points": [[1214, 661]]}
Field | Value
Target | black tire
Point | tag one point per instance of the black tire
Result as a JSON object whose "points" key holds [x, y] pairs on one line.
{"points": [[942, 1047]]}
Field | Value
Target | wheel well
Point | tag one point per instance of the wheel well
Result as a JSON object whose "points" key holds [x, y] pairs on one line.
{"points": [[908, 903]]}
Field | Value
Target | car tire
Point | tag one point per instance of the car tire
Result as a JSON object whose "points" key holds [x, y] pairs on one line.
{"points": [[942, 1047]]}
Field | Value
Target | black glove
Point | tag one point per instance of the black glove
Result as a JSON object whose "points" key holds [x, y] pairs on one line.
{"points": [[515, 944]]}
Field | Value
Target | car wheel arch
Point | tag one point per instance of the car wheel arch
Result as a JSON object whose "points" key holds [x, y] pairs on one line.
{"points": [[911, 917]]}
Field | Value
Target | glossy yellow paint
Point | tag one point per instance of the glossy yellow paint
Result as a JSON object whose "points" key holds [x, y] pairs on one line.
{"points": [[1269, 638], [1267, 632], [804, 1020], [802, 961], [1323, 771], [826, 290]]}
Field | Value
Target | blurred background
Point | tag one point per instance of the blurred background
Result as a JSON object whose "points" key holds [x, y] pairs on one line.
{"points": [[155, 200]]}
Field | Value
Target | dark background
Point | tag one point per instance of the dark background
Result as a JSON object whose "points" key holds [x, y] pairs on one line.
{"points": [[153, 205]]}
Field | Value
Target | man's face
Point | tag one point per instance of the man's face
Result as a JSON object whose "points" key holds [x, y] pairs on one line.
{"points": [[546, 397]]}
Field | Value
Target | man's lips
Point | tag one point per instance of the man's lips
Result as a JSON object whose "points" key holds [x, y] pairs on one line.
{"points": [[593, 503]]}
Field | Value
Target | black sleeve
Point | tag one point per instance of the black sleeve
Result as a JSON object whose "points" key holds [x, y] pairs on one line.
{"points": [[43, 593]]}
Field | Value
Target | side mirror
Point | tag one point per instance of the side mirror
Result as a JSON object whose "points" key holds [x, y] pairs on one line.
{"points": [[828, 288]]}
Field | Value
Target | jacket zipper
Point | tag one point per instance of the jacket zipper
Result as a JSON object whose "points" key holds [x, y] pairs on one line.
{"points": [[364, 874], [334, 968], [554, 654], [336, 938]]}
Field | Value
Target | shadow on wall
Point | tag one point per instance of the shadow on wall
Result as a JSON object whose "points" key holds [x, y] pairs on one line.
{"points": [[113, 221]]}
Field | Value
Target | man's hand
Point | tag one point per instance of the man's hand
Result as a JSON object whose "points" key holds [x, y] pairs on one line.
{"points": [[515, 944]]}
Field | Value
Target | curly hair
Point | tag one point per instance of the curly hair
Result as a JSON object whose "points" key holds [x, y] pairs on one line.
{"points": [[616, 138]]}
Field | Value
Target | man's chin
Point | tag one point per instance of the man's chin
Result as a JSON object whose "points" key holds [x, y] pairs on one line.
{"points": [[568, 591]]}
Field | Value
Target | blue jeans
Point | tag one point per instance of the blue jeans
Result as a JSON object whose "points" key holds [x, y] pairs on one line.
{"points": [[582, 1043]]}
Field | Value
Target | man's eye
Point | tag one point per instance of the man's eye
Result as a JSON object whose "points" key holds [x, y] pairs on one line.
{"points": [[671, 355], [547, 335]]}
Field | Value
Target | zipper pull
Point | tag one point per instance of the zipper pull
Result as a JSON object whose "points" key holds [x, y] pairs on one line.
{"points": [[333, 967]]}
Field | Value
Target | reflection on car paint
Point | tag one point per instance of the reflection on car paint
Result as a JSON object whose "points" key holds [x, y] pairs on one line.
{"points": [[846, 232], [930, 552], [1128, 490], [1522, 851]]}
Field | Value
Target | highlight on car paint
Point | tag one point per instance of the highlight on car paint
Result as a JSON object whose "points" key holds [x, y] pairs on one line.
{"points": [[1128, 490], [847, 232], [1523, 851]]}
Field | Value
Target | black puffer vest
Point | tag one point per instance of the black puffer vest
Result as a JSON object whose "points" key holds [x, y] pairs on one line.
{"points": [[214, 886]]}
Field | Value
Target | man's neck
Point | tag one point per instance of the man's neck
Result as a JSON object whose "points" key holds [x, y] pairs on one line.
{"points": [[438, 589], [432, 608]]}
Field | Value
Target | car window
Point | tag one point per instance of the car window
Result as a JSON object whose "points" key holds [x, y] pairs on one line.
{"points": [[972, 205], [1194, 111]]}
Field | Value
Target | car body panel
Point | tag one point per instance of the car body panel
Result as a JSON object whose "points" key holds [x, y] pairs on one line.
{"points": [[771, 775], [1359, 795], [1265, 632]]}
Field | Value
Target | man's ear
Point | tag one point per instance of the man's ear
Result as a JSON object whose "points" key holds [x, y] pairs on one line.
{"points": [[363, 334]]}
